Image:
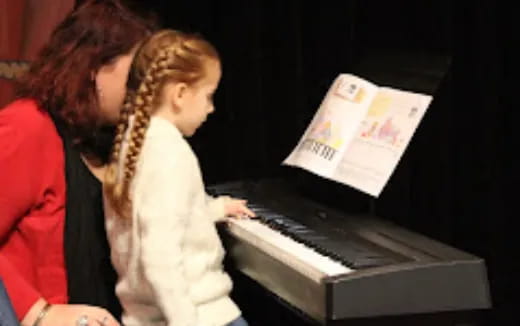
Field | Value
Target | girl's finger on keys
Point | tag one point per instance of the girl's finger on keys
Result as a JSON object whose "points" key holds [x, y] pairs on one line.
{"points": [[249, 212]]}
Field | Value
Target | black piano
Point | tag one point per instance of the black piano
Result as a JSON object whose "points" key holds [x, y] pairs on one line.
{"points": [[327, 267]]}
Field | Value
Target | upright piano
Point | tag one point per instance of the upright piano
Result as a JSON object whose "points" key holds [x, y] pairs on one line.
{"points": [[334, 268]]}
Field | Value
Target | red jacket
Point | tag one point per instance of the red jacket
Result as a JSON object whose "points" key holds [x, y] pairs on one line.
{"points": [[32, 207]]}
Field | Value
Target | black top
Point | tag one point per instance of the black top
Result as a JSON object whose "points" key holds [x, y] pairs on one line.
{"points": [[90, 275]]}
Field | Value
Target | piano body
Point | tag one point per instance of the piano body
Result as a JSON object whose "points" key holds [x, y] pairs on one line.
{"points": [[334, 268]]}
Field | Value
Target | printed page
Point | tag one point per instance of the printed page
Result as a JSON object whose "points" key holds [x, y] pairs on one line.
{"points": [[380, 141], [337, 120]]}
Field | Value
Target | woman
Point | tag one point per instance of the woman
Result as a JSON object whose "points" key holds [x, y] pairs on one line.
{"points": [[54, 140]]}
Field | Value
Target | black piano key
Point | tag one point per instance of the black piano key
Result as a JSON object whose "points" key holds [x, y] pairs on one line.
{"points": [[345, 252], [302, 234]]}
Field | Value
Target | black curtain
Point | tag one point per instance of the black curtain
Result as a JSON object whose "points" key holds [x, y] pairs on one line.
{"points": [[456, 181]]}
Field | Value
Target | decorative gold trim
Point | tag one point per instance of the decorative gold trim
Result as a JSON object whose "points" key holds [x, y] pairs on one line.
{"points": [[11, 69]]}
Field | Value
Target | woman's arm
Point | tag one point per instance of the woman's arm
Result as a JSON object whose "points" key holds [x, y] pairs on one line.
{"points": [[20, 177], [18, 190]]}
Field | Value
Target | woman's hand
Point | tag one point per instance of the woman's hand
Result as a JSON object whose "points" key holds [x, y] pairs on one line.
{"points": [[237, 208], [69, 315]]}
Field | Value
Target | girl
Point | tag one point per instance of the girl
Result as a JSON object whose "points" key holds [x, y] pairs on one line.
{"points": [[160, 222]]}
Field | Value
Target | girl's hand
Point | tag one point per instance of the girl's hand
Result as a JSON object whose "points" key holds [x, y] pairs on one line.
{"points": [[237, 208]]}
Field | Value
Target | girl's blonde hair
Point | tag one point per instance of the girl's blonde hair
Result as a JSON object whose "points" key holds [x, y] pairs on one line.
{"points": [[167, 56]]}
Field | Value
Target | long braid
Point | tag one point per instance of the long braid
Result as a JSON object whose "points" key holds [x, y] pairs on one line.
{"points": [[113, 185], [122, 126], [143, 104], [140, 107]]}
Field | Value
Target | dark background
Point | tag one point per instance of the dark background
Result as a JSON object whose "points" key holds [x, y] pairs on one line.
{"points": [[456, 181]]}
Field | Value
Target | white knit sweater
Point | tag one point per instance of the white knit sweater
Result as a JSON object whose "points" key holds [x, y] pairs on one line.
{"points": [[168, 255]]}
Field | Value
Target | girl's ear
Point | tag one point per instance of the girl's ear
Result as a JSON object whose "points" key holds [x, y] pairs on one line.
{"points": [[176, 95]]}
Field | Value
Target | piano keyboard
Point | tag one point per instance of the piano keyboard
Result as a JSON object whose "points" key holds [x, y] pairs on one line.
{"points": [[317, 255], [330, 266]]}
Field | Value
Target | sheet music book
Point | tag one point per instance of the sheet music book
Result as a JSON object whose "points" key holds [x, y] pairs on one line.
{"points": [[359, 133]]}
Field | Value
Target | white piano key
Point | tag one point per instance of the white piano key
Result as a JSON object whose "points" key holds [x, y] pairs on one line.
{"points": [[302, 258]]}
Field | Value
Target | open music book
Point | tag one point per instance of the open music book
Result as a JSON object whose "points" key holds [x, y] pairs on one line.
{"points": [[359, 133]]}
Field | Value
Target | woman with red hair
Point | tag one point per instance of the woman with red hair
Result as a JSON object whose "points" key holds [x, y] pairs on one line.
{"points": [[54, 142]]}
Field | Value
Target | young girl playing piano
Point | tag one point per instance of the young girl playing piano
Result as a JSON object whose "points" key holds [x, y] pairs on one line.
{"points": [[160, 221]]}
